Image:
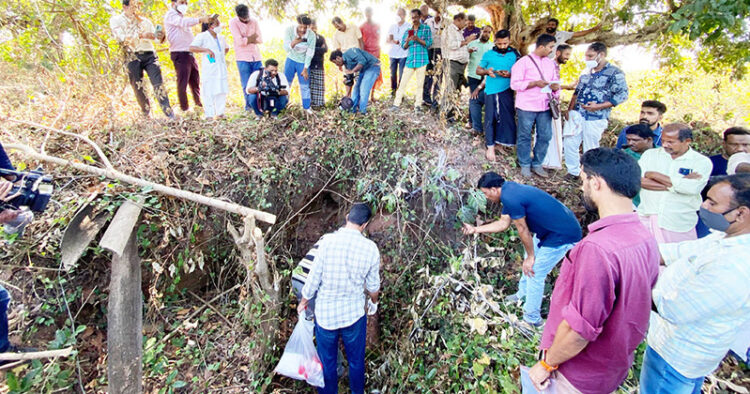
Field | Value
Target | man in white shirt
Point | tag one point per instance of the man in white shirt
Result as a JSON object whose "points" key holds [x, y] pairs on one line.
{"points": [[562, 36], [135, 33], [673, 177], [346, 280], [397, 54], [701, 301], [268, 90], [457, 52]]}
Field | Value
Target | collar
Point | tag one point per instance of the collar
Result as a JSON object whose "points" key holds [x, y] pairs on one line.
{"points": [[349, 231], [624, 218], [606, 66]]}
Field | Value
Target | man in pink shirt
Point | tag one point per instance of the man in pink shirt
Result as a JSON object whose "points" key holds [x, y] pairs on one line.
{"points": [[177, 26], [246, 34], [599, 311], [531, 78]]}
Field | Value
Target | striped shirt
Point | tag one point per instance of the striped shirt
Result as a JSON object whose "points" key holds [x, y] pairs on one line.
{"points": [[702, 298], [416, 53], [346, 264]]}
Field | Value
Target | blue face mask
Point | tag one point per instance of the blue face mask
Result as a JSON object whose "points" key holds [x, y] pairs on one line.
{"points": [[715, 221]]}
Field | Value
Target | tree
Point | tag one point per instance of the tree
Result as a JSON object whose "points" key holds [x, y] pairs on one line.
{"points": [[715, 30]]}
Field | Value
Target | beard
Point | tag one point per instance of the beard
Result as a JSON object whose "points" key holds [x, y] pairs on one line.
{"points": [[561, 60], [484, 39], [647, 123], [589, 204], [550, 30]]}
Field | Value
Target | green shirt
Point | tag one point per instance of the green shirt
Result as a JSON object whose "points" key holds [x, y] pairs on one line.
{"points": [[476, 56], [303, 52], [636, 156]]}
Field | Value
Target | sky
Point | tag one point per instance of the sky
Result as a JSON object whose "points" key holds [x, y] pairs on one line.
{"points": [[631, 58]]}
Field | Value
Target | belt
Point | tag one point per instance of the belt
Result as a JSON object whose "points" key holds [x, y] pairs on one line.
{"points": [[456, 61], [141, 53]]}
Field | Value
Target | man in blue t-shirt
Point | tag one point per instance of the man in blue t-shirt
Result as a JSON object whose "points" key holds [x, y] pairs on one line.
{"points": [[546, 227], [499, 106], [652, 112]]}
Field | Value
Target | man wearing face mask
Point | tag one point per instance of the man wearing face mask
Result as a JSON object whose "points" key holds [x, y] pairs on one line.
{"points": [[652, 112], [599, 310], [178, 28], [672, 179], [135, 34], [499, 110], [247, 35], [601, 87], [562, 36], [702, 298]]}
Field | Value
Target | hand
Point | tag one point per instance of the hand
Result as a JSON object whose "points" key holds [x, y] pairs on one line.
{"points": [[566, 115], [528, 266], [472, 50], [539, 376], [468, 229], [693, 175], [205, 19], [591, 106], [475, 93], [5, 188], [302, 305], [397, 42], [211, 53], [304, 74], [147, 36], [539, 84], [491, 72], [8, 215], [296, 41], [555, 87], [503, 73], [472, 37], [160, 35]]}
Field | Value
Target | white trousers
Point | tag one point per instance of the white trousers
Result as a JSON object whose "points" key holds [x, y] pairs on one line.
{"points": [[579, 130], [401, 92], [553, 159], [214, 105]]}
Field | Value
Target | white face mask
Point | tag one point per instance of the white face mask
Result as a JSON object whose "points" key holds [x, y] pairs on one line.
{"points": [[182, 8], [591, 63], [217, 29]]}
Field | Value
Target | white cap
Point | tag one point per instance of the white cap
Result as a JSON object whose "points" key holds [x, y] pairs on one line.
{"points": [[737, 159]]}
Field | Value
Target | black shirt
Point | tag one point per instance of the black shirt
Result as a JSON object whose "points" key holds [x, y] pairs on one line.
{"points": [[320, 50]]}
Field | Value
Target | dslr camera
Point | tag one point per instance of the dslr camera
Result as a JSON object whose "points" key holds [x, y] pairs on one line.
{"points": [[270, 89], [34, 191], [349, 79]]}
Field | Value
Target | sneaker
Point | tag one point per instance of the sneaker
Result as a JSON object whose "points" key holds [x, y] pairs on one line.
{"points": [[512, 299], [526, 172], [540, 172], [309, 111]]}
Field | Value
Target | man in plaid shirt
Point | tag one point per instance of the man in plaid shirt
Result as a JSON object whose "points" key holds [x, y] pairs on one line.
{"points": [[346, 266], [416, 41]]}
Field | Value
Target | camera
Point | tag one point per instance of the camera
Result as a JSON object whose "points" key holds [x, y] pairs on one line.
{"points": [[34, 191], [349, 79], [268, 86]]}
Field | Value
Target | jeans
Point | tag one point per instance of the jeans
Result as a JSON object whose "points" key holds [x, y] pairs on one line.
{"points": [[658, 377], [147, 61], [361, 91], [354, 343], [186, 69], [290, 68], [475, 106], [246, 69], [279, 104], [397, 71], [532, 288], [4, 301], [526, 120]]}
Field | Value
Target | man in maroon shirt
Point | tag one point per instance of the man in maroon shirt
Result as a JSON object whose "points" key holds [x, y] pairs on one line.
{"points": [[371, 40], [600, 305]]}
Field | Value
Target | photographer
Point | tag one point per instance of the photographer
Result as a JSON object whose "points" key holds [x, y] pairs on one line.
{"points": [[267, 89], [353, 61], [13, 220]]}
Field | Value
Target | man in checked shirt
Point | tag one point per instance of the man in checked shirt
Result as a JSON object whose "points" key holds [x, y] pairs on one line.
{"points": [[346, 272]]}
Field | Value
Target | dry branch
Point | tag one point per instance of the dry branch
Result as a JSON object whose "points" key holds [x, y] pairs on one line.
{"points": [[171, 191], [37, 355]]}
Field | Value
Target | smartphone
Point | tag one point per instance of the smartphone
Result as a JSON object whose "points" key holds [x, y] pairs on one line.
{"points": [[411, 32], [158, 28], [685, 171], [211, 59]]}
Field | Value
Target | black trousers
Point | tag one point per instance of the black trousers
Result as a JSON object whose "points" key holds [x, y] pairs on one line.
{"points": [[146, 61], [432, 82]]}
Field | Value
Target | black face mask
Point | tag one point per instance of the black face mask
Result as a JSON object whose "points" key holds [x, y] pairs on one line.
{"points": [[501, 50]]}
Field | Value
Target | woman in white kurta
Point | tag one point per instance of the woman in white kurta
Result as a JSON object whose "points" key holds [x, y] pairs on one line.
{"points": [[213, 49]]}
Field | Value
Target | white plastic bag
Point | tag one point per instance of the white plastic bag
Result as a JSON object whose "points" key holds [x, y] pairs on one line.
{"points": [[300, 359]]}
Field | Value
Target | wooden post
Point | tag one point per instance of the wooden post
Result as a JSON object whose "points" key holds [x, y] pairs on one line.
{"points": [[125, 309]]}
